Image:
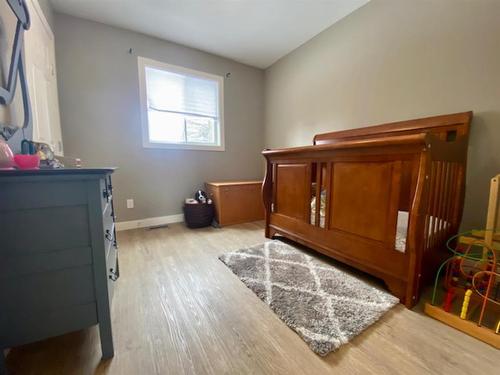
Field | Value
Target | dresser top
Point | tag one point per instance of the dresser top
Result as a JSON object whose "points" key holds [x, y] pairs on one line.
{"points": [[56, 172]]}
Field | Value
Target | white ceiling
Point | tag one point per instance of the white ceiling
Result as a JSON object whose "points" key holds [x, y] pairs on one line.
{"points": [[254, 32]]}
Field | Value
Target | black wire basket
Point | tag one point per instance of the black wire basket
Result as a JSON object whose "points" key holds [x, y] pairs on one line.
{"points": [[198, 215]]}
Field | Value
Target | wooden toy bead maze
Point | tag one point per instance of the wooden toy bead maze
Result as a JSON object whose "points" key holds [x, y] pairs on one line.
{"points": [[472, 279]]}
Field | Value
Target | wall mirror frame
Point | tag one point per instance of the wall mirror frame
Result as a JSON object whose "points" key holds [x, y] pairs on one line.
{"points": [[16, 69]]}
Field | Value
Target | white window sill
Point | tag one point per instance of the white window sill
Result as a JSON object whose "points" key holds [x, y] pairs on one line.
{"points": [[180, 146]]}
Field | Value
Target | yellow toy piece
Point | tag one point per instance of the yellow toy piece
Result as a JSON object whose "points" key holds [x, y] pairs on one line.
{"points": [[465, 305]]}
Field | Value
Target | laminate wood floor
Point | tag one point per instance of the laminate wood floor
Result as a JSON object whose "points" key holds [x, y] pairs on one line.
{"points": [[178, 310]]}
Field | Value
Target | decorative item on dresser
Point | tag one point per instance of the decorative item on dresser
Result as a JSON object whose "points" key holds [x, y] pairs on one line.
{"points": [[15, 69], [58, 254], [389, 196], [236, 201], [6, 156]]}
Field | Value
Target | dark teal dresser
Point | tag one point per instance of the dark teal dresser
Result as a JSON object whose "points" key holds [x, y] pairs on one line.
{"points": [[58, 255]]}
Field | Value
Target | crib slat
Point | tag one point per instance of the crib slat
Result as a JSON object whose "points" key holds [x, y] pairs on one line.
{"points": [[446, 198], [458, 199], [329, 187], [317, 217], [451, 194], [454, 198], [445, 222], [442, 182], [273, 199], [431, 209], [450, 199], [437, 202], [430, 203], [307, 203], [446, 191]]}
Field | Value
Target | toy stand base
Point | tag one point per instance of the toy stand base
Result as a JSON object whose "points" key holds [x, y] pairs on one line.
{"points": [[471, 328]]}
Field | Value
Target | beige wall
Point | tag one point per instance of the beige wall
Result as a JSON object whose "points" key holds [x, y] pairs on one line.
{"points": [[394, 60], [388, 61], [47, 11], [100, 116]]}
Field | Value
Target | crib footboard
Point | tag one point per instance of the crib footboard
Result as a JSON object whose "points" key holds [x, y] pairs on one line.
{"points": [[347, 199]]}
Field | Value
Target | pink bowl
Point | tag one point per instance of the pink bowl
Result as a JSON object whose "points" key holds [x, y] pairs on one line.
{"points": [[27, 161]]}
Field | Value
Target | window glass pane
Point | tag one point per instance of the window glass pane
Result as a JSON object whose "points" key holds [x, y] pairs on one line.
{"points": [[166, 127], [182, 106], [181, 93], [200, 130]]}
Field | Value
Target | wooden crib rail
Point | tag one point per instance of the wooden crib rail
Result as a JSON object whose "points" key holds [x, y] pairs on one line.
{"points": [[400, 142], [444, 126]]}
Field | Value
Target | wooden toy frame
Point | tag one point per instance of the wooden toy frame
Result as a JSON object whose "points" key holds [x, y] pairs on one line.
{"points": [[489, 241]]}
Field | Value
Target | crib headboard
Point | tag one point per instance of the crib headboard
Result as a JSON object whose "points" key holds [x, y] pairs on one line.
{"points": [[446, 127]]}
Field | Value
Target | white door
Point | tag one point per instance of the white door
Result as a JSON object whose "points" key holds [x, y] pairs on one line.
{"points": [[42, 81]]}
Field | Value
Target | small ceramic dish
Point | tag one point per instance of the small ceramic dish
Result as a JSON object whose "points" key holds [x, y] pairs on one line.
{"points": [[27, 161]]}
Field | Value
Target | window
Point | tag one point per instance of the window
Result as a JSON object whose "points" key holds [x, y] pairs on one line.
{"points": [[181, 108]]}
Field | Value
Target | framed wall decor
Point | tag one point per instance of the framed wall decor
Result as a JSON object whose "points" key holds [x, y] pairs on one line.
{"points": [[15, 109]]}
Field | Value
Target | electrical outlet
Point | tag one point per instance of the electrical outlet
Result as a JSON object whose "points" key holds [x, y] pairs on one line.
{"points": [[130, 203]]}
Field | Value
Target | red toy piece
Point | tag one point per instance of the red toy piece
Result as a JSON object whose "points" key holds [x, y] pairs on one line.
{"points": [[450, 296]]}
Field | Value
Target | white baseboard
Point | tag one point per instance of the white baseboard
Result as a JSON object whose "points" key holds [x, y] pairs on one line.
{"points": [[149, 222]]}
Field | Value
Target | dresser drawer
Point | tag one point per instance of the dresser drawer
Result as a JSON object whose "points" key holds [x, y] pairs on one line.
{"points": [[45, 291], [25, 326], [43, 230]]}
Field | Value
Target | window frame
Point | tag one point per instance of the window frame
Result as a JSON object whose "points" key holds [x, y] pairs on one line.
{"points": [[144, 63]]}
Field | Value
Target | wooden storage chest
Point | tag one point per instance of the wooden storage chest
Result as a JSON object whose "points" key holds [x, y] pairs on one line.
{"points": [[236, 201]]}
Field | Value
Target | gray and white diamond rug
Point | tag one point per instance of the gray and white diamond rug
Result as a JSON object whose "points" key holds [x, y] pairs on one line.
{"points": [[324, 304]]}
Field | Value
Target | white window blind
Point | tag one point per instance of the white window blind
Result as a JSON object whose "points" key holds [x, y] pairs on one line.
{"points": [[183, 107], [178, 93]]}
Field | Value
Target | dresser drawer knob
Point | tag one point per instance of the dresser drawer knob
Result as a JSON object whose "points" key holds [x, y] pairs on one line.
{"points": [[108, 235], [113, 275]]}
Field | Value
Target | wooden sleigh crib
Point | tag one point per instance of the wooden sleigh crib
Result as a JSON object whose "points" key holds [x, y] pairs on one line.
{"points": [[383, 199]]}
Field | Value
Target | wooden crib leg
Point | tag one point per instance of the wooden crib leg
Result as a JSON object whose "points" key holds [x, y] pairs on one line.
{"points": [[269, 232], [399, 289]]}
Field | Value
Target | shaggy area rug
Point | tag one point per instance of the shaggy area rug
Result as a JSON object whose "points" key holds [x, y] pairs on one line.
{"points": [[325, 305]]}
